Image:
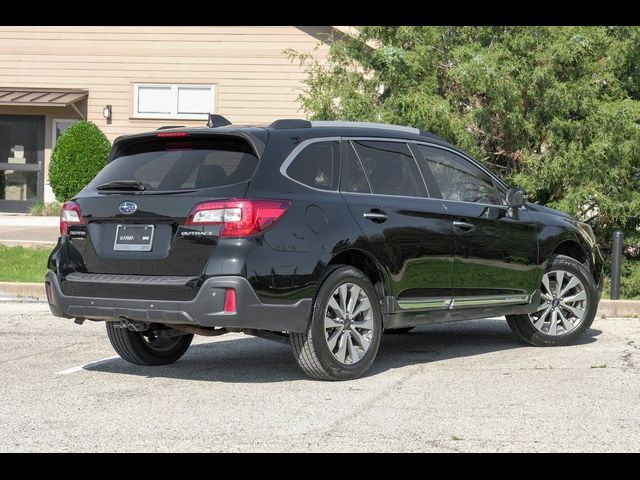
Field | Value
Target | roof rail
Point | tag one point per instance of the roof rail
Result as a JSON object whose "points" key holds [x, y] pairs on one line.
{"points": [[165, 127], [216, 120], [290, 123], [382, 126]]}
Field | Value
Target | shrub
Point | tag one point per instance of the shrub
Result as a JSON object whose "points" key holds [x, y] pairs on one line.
{"points": [[79, 154], [50, 209], [629, 280]]}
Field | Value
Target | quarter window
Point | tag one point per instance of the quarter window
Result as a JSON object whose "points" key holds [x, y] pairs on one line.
{"points": [[390, 168], [317, 165], [457, 178]]}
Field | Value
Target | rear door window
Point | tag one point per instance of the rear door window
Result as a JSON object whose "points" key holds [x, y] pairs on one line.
{"points": [[390, 168], [181, 164], [317, 165]]}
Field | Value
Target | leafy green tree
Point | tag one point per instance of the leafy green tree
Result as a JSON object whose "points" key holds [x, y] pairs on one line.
{"points": [[555, 110], [79, 154]]}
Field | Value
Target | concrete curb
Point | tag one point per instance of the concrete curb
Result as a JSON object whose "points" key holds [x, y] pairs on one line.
{"points": [[18, 291], [30, 292]]}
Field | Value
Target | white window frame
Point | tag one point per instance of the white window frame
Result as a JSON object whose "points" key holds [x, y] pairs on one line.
{"points": [[174, 92], [54, 121]]}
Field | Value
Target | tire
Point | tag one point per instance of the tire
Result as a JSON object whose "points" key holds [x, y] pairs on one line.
{"points": [[135, 348], [312, 348], [398, 331], [523, 325]]}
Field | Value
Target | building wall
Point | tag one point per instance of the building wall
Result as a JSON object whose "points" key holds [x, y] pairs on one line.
{"points": [[255, 81]]}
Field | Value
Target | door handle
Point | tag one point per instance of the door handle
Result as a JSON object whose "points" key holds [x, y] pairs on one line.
{"points": [[464, 226], [377, 216]]}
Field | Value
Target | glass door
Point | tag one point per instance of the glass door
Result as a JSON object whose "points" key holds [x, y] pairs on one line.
{"points": [[21, 161]]}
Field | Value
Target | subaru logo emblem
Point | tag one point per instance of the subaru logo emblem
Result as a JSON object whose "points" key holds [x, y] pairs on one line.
{"points": [[128, 208]]}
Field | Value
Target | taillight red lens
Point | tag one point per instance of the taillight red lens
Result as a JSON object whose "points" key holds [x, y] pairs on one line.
{"points": [[238, 218], [230, 301], [70, 215]]}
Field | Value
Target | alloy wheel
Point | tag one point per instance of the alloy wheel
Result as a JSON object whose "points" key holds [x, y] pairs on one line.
{"points": [[563, 302], [348, 323]]}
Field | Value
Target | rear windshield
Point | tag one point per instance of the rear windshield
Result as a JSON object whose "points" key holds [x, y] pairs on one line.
{"points": [[181, 164]]}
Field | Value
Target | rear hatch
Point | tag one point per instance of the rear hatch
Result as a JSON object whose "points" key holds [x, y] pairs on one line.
{"points": [[133, 212]]}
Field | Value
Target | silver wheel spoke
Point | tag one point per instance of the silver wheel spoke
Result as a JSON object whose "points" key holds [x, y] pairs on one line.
{"points": [[342, 295], [540, 321], [543, 306], [366, 323], [578, 312], [353, 351], [553, 326], [336, 308], [354, 298], [333, 338], [331, 322], [566, 323], [559, 280], [575, 298], [364, 305], [574, 282], [546, 297], [341, 354], [545, 284], [362, 340]]}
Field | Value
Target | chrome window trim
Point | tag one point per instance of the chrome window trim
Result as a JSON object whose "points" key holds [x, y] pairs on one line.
{"points": [[472, 162], [296, 151]]}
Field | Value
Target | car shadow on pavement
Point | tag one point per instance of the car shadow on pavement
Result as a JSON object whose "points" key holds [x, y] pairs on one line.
{"points": [[254, 360]]}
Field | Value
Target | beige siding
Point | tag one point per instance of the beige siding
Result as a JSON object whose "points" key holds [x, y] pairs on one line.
{"points": [[255, 81]]}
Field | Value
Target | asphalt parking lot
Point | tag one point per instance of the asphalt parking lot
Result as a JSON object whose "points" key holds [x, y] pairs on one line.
{"points": [[459, 387]]}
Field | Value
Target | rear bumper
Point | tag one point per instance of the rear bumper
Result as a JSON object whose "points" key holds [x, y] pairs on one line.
{"points": [[206, 309]]}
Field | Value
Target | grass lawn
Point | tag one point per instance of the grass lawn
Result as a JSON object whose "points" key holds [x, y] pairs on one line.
{"points": [[20, 264]]}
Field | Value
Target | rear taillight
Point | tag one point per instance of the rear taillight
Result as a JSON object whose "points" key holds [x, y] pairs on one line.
{"points": [[238, 218], [70, 215]]}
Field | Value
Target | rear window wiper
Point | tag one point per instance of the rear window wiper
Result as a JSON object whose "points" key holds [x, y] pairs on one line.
{"points": [[118, 185]]}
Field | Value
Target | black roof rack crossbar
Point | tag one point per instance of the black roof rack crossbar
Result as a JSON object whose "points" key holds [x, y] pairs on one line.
{"points": [[286, 123], [165, 127], [216, 120]]}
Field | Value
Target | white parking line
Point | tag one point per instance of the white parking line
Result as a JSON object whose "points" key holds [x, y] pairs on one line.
{"points": [[79, 368]]}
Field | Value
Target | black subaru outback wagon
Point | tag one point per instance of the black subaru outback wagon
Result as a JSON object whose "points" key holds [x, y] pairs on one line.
{"points": [[323, 235]]}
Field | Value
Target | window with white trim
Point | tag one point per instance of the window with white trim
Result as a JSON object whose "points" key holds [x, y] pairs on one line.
{"points": [[191, 102]]}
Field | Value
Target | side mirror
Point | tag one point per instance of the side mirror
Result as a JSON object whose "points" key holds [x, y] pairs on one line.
{"points": [[515, 197]]}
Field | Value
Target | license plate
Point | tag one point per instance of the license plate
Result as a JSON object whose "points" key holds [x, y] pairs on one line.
{"points": [[134, 238]]}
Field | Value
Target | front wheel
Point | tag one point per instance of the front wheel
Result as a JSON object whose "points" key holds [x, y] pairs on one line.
{"points": [[146, 348], [343, 336], [568, 304]]}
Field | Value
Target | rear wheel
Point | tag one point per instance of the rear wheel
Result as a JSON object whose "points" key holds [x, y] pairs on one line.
{"points": [[146, 348], [568, 304], [343, 336]]}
